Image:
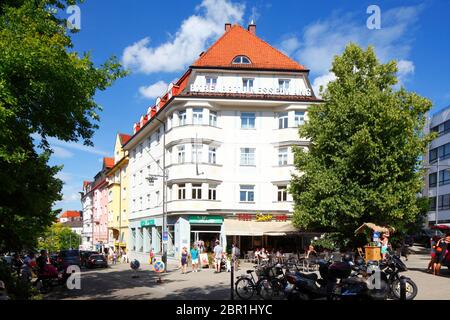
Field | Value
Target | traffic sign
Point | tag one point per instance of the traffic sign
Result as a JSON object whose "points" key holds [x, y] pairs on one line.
{"points": [[158, 266]]}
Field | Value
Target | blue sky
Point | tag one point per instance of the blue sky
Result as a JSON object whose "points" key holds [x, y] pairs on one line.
{"points": [[158, 40]]}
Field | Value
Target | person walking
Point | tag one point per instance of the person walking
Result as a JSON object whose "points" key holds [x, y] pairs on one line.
{"points": [[433, 255], [184, 257], [218, 255], [194, 257], [441, 252], [235, 254], [114, 257]]}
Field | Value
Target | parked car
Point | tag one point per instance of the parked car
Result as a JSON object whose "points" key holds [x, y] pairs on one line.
{"points": [[424, 236], [84, 255], [97, 260], [69, 258]]}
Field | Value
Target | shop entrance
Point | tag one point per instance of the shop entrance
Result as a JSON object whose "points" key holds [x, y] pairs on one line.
{"points": [[208, 234]]}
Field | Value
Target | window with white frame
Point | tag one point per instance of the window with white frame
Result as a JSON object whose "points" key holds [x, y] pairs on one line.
{"points": [[247, 120], [247, 84], [299, 118], [211, 81], [134, 205], [283, 120], [212, 155], [247, 156], [141, 205], [196, 191], [149, 172], [197, 153], [283, 84], [212, 192], [181, 154], [181, 192], [134, 180], [141, 176], [148, 200], [157, 198], [197, 116], [149, 143], [282, 193], [282, 156], [169, 122], [247, 193], [182, 117], [213, 118]]}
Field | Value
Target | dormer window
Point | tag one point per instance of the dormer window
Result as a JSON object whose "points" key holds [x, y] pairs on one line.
{"points": [[241, 60]]}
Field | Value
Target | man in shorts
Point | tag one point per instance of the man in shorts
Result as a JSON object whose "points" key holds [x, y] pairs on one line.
{"points": [[194, 256], [218, 252]]}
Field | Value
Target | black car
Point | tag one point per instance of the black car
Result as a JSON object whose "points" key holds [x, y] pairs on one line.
{"points": [[425, 235], [97, 260], [84, 256], [69, 258]]}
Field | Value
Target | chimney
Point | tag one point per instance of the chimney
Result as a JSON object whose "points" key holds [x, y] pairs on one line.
{"points": [[227, 27], [252, 28]]}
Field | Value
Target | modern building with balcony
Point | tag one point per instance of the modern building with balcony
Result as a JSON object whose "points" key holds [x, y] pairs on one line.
{"points": [[437, 161], [222, 139]]}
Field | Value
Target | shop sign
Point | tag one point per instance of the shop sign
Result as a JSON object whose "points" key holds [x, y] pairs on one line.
{"points": [[147, 223], [252, 90], [261, 217], [205, 219]]}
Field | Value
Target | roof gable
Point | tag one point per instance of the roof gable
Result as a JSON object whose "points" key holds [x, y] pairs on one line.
{"points": [[238, 41]]}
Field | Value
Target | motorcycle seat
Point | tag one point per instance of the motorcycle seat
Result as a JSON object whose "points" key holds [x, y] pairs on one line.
{"points": [[310, 276]]}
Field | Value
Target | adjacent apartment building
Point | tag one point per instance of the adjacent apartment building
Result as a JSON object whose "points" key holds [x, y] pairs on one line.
{"points": [[437, 162], [222, 139]]}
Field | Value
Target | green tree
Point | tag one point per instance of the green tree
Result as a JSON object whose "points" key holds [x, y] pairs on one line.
{"points": [[47, 89], [59, 237], [363, 162]]}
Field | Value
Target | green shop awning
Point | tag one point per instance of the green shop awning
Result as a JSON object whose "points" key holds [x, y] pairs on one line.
{"points": [[205, 220], [147, 223]]}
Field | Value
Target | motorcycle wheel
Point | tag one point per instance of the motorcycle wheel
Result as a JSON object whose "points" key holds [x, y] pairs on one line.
{"points": [[411, 289], [244, 288]]}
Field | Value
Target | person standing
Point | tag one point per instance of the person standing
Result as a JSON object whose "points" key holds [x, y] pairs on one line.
{"points": [[384, 245], [218, 254], [184, 257], [441, 252], [114, 257], [235, 254], [194, 257]]}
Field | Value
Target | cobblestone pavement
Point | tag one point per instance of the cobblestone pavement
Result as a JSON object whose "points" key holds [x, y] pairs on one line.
{"points": [[118, 282]]}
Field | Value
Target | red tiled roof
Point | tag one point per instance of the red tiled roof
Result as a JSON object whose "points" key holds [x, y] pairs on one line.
{"points": [[71, 214], [239, 41], [124, 138], [108, 162]]}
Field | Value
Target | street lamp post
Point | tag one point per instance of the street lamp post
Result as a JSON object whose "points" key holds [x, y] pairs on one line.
{"points": [[164, 176]]}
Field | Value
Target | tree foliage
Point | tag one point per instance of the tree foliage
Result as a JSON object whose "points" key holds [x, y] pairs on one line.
{"points": [[363, 162], [46, 88], [59, 237]]}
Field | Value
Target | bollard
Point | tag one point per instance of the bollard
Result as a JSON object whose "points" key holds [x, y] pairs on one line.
{"points": [[232, 278]]}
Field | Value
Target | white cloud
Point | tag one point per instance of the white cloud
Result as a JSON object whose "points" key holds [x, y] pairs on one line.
{"points": [[322, 81], [324, 39], [289, 45], [405, 68], [71, 145], [154, 90], [59, 152], [193, 36], [64, 176]]}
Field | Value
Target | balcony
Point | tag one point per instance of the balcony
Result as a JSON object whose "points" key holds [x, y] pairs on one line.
{"points": [[189, 131], [189, 171]]}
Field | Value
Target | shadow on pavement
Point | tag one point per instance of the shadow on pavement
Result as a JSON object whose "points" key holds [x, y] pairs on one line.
{"points": [[95, 285], [445, 272]]}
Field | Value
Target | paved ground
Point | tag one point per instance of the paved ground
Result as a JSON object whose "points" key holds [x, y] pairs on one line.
{"points": [[117, 282]]}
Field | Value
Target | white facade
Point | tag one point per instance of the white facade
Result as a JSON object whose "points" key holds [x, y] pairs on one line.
{"points": [[86, 234], [439, 154], [224, 156]]}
